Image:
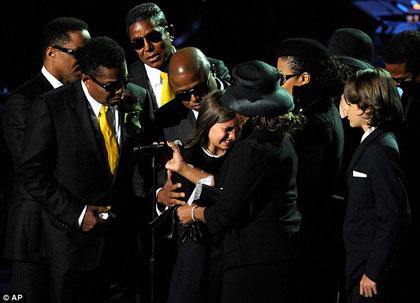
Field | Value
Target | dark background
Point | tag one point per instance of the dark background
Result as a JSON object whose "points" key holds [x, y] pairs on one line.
{"points": [[233, 31]]}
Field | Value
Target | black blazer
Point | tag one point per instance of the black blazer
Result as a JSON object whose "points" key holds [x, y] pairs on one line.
{"points": [[319, 147], [256, 213], [174, 121], [64, 167], [377, 207], [138, 76], [23, 240]]}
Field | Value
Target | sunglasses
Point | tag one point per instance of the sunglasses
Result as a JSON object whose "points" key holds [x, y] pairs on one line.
{"points": [[112, 87], [69, 51], [284, 78], [200, 90], [153, 37]]}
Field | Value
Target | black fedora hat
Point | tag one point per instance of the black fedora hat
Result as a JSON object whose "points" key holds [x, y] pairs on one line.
{"points": [[256, 91]]}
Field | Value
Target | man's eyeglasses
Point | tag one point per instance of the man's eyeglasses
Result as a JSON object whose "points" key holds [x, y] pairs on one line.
{"points": [[284, 78], [69, 51], [114, 86], [154, 37], [398, 81], [200, 90]]}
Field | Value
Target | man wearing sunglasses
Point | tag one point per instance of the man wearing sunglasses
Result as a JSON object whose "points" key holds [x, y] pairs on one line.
{"points": [[192, 77], [76, 163], [62, 37], [402, 59], [151, 37]]}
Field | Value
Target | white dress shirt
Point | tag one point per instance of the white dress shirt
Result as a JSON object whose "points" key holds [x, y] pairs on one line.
{"points": [[96, 107], [53, 80]]}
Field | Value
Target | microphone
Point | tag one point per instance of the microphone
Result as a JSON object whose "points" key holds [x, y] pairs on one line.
{"points": [[156, 148]]}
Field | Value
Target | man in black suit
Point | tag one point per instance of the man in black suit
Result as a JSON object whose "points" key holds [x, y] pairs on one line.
{"points": [[151, 36], [401, 57], [191, 76], [77, 164], [62, 37]]}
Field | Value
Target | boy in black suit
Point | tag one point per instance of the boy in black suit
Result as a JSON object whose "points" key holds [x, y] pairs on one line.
{"points": [[377, 206]]}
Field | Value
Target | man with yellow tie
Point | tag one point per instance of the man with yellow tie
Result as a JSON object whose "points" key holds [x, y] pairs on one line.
{"points": [[77, 164], [151, 37]]}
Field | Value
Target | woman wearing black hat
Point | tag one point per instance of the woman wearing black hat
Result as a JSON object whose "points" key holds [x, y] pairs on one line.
{"points": [[255, 215], [315, 80]]}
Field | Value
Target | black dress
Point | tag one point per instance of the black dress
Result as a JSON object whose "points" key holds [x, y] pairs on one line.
{"points": [[255, 218], [189, 277]]}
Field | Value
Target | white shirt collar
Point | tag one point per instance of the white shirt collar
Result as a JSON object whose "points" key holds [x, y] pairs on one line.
{"points": [[53, 80], [221, 86], [155, 81], [368, 132], [153, 74], [96, 106]]}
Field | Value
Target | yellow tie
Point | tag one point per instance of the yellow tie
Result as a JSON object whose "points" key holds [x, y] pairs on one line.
{"points": [[167, 91], [109, 138]]}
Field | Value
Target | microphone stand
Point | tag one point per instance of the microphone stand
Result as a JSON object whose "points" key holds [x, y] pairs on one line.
{"points": [[152, 248], [155, 151]]}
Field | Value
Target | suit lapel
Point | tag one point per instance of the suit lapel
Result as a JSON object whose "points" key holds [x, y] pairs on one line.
{"points": [[43, 83], [361, 150], [80, 106]]}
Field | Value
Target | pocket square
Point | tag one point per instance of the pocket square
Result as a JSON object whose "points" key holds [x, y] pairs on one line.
{"points": [[359, 174]]}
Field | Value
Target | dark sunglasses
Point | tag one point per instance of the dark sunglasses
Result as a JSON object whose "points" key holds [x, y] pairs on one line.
{"points": [[200, 90], [284, 78], [69, 51], [154, 37], [114, 86]]}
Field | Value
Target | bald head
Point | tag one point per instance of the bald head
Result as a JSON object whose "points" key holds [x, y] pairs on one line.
{"points": [[189, 70], [189, 61]]}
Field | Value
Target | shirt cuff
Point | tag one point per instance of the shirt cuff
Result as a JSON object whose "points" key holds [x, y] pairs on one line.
{"points": [[159, 212], [82, 215]]}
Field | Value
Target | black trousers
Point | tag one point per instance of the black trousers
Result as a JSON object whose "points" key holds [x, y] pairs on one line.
{"points": [[108, 283], [31, 279], [269, 282]]}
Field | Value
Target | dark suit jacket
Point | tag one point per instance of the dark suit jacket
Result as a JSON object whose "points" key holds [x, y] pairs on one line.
{"points": [[377, 207], [256, 213], [23, 240], [410, 150], [174, 121], [64, 167], [319, 147], [138, 76]]}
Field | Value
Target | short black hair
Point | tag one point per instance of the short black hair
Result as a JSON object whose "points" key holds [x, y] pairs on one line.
{"points": [[146, 11], [100, 52], [404, 48], [56, 32]]}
